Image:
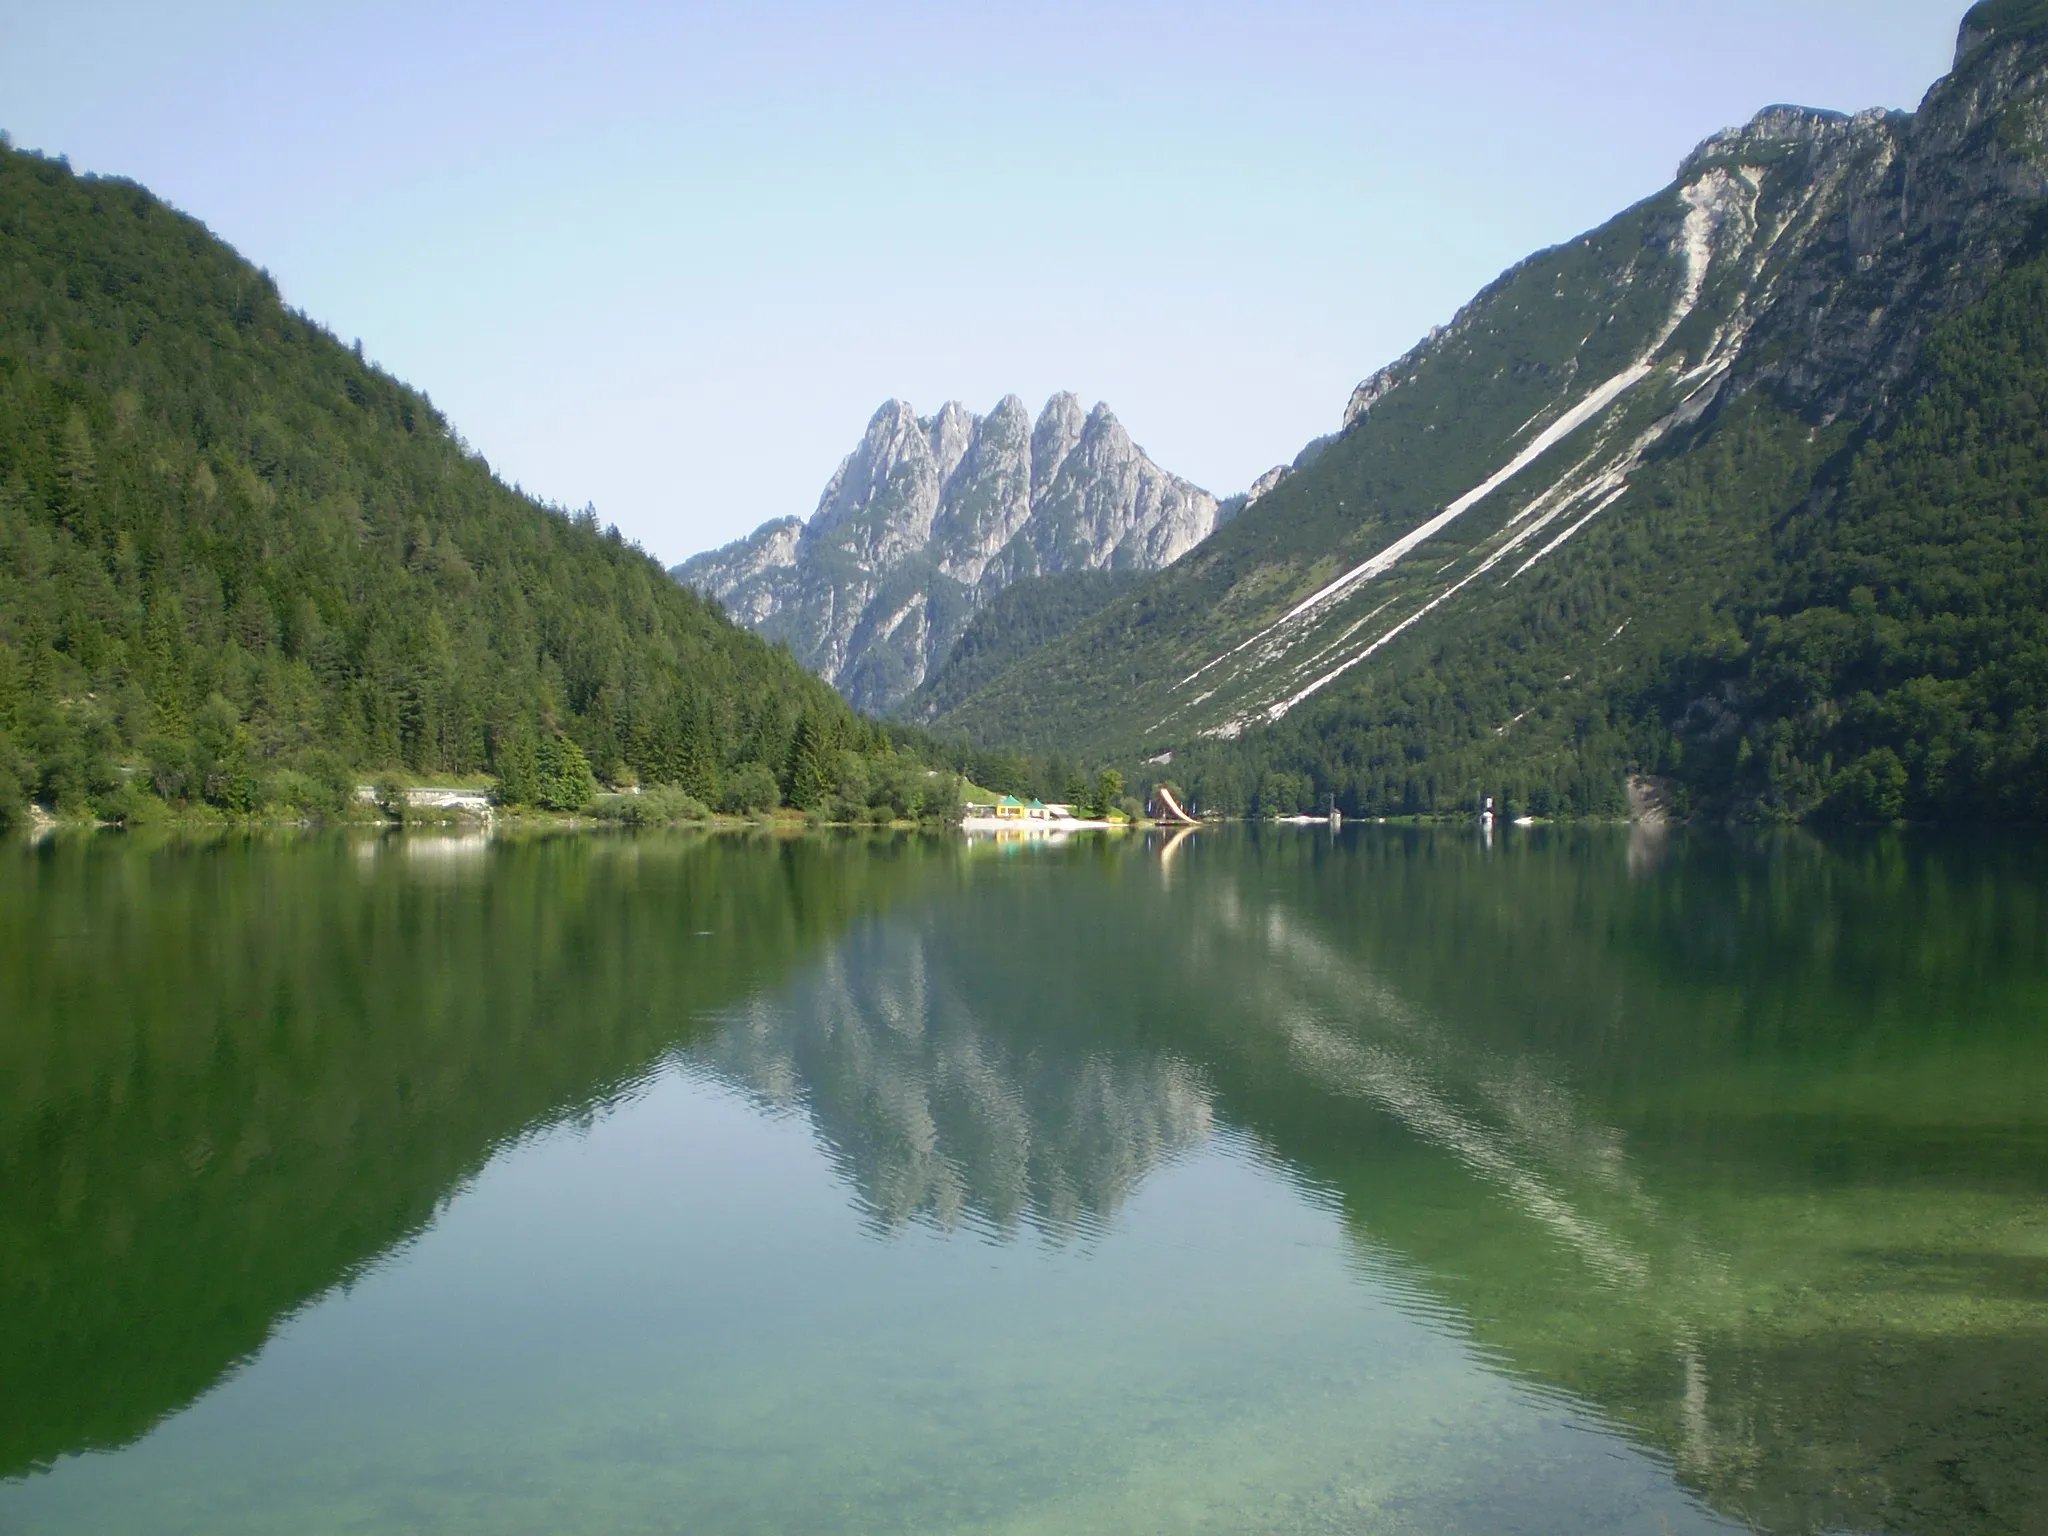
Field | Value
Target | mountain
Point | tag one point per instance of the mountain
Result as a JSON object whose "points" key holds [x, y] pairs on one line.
{"points": [[1748, 487], [930, 517], [240, 566], [1017, 621]]}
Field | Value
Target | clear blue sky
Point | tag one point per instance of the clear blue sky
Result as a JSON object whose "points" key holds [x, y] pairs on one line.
{"points": [[670, 258]]}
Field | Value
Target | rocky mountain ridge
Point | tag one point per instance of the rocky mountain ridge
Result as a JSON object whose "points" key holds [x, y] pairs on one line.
{"points": [[931, 516]]}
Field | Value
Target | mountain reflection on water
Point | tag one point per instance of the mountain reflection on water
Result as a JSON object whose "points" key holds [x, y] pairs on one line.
{"points": [[947, 1097], [1742, 1145], [1745, 1145]]}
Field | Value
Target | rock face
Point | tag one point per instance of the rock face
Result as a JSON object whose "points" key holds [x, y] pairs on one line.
{"points": [[929, 517], [1804, 258]]}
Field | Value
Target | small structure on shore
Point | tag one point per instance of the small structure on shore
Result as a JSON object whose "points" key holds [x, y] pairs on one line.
{"points": [[1012, 809], [1012, 817]]}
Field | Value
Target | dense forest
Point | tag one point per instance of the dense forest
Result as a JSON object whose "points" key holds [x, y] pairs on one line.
{"points": [[1890, 658], [1849, 624], [242, 569], [1017, 621]]}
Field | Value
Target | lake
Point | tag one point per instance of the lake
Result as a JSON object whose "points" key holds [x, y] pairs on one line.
{"points": [[1393, 1180]]}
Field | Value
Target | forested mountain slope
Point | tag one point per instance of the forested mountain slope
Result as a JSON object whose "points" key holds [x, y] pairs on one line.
{"points": [[244, 564], [930, 518], [1016, 622], [1746, 486]]}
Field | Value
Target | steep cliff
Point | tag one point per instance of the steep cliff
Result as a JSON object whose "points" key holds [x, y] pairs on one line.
{"points": [[931, 516]]}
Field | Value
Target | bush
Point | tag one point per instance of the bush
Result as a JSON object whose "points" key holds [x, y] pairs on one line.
{"points": [[905, 787], [750, 788], [668, 805], [293, 789], [1284, 794], [334, 783], [855, 781], [392, 799], [1872, 791], [1109, 789], [619, 809], [945, 800], [72, 753], [662, 806], [170, 767], [220, 773], [517, 766], [132, 805]]}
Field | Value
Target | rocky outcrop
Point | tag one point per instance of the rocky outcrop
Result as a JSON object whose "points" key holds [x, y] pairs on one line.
{"points": [[931, 516], [1269, 481]]}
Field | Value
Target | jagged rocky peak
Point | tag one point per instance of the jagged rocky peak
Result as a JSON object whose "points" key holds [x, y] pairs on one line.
{"points": [[952, 431], [932, 515], [1768, 136], [1056, 435], [1011, 418]]}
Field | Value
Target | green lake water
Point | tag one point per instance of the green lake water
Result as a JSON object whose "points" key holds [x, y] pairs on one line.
{"points": [[1392, 1182]]}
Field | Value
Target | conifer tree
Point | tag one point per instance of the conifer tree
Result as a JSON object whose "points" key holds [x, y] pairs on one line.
{"points": [[809, 774], [697, 751], [563, 780], [1109, 789], [518, 769]]}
